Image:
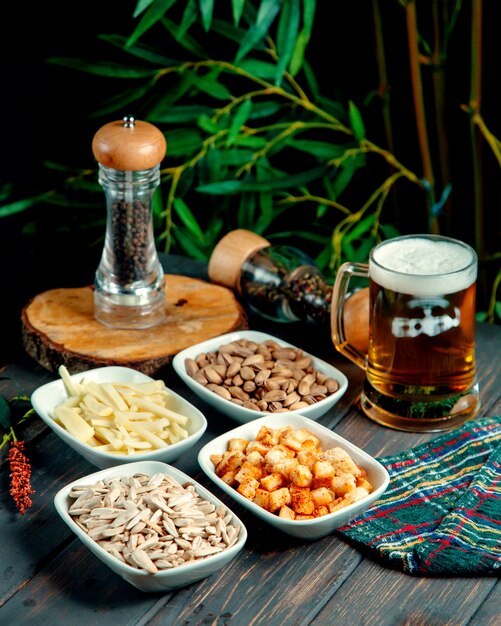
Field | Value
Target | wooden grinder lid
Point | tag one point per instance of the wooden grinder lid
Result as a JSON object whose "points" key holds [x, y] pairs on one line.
{"points": [[129, 145], [229, 255]]}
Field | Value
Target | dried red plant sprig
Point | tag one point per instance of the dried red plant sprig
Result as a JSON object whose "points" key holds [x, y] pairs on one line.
{"points": [[20, 474]]}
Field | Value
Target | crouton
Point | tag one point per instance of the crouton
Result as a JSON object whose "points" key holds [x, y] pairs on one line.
{"points": [[356, 494], [301, 476], [278, 498], [267, 436], [255, 458], [363, 482], [301, 500], [248, 471], [323, 473], [341, 461], [285, 467], [238, 444], [276, 454], [297, 438], [286, 513], [228, 478], [321, 510], [307, 457], [256, 446], [343, 484], [248, 488], [321, 496], [337, 504], [216, 458], [273, 481], [262, 498], [231, 461]]}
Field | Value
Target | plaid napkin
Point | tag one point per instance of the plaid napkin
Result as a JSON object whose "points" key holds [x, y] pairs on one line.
{"points": [[441, 513]]}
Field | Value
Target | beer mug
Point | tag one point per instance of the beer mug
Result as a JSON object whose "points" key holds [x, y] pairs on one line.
{"points": [[420, 366]]}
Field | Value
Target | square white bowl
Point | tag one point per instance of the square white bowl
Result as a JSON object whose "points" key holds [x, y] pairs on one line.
{"points": [[45, 399], [240, 413], [163, 580], [304, 529]]}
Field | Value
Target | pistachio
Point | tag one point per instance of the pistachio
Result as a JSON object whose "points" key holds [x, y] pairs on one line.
{"points": [[265, 376]]}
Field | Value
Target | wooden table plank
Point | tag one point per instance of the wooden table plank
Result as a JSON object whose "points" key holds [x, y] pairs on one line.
{"points": [[376, 595]]}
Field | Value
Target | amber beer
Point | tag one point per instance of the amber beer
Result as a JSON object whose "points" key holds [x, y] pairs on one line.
{"points": [[420, 366], [423, 318]]}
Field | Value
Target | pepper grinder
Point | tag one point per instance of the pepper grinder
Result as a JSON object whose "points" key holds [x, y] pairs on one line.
{"points": [[129, 282], [279, 282]]}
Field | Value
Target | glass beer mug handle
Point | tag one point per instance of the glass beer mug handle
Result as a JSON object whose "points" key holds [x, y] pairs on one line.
{"points": [[339, 296]]}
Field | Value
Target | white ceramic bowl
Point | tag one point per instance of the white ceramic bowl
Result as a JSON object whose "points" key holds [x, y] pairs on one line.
{"points": [[47, 397], [163, 580], [304, 529], [240, 413]]}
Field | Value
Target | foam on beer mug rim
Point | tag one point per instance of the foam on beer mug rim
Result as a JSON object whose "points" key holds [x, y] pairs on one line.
{"points": [[423, 266]]}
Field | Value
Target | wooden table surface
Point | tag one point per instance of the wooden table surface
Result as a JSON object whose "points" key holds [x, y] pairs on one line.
{"points": [[47, 576]]}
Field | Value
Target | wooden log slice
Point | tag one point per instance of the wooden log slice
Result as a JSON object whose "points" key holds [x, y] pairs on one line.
{"points": [[59, 328]]}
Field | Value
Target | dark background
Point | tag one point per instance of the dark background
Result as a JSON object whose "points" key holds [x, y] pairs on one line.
{"points": [[45, 113]]}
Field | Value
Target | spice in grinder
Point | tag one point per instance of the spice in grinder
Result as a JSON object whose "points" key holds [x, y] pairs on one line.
{"points": [[129, 282]]}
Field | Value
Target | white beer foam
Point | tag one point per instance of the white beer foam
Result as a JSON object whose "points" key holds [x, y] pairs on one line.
{"points": [[423, 267]]}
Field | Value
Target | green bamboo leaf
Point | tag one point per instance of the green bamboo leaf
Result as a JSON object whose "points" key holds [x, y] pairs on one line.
{"points": [[236, 157], [21, 205], [311, 80], [250, 141], [246, 211], [231, 187], [190, 16], [182, 113], [188, 218], [237, 6], [389, 231], [288, 28], [141, 6], [212, 166], [319, 149], [361, 228], [261, 69], [61, 167], [267, 215], [187, 42], [187, 244], [264, 109], [183, 141], [346, 173], [267, 12], [140, 51], [205, 123], [209, 84], [155, 12], [356, 122], [206, 9], [121, 100], [214, 228], [309, 8], [303, 38], [4, 413], [233, 33], [297, 59], [167, 99], [113, 70], [332, 107], [238, 121]]}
